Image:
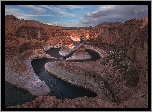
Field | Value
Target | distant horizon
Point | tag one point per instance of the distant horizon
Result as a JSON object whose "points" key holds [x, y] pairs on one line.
{"points": [[77, 15], [53, 24], [89, 15], [76, 26]]}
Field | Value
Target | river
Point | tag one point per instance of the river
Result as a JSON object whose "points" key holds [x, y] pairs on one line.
{"points": [[58, 87]]}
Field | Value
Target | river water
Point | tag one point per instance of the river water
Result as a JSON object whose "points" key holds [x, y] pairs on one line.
{"points": [[58, 87]]}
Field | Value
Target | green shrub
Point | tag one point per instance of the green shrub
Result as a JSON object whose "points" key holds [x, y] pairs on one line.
{"points": [[117, 56], [121, 51], [131, 77]]}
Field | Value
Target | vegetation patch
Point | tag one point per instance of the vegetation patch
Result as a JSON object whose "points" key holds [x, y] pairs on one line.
{"points": [[131, 77], [119, 55]]}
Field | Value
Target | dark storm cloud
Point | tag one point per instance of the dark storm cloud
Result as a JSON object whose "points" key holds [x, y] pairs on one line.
{"points": [[114, 13]]}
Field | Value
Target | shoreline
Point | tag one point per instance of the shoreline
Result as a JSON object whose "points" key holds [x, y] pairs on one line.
{"points": [[81, 81]]}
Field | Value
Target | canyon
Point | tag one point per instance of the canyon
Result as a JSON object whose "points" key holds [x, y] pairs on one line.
{"points": [[119, 77]]}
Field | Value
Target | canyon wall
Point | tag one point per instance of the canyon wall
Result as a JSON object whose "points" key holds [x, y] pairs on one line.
{"points": [[25, 35]]}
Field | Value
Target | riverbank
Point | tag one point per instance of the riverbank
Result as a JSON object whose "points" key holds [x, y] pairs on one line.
{"points": [[79, 77], [73, 78], [19, 71]]}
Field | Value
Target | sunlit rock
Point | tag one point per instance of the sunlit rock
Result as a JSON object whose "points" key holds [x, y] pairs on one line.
{"points": [[80, 55]]}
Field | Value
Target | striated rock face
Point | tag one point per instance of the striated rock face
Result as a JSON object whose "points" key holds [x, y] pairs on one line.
{"points": [[76, 34], [25, 42], [28, 81], [19, 72], [76, 79], [66, 50], [75, 38], [80, 54]]}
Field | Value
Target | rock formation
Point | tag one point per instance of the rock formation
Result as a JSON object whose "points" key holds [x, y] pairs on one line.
{"points": [[123, 67], [80, 54]]}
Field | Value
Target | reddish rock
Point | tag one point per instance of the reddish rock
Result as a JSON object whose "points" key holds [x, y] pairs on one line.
{"points": [[80, 54], [23, 36]]}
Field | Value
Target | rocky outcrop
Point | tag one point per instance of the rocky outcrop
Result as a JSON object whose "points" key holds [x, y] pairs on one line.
{"points": [[75, 38], [80, 54], [28, 80], [109, 77], [76, 34], [30, 30], [75, 79], [19, 71], [66, 50], [22, 38], [100, 51]]}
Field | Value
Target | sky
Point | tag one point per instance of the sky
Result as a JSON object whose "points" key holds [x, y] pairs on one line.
{"points": [[77, 15]]}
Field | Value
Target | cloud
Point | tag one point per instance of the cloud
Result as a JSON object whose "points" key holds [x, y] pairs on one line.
{"points": [[114, 13], [67, 24], [20, 14], [34, 8], [16, 12], [61, 24], [57, 10], [72, 6]]}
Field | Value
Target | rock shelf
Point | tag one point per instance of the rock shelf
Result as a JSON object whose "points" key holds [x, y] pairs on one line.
{"points": [[79, 78], [64, 51], [100, 51], [27, 79], [79, 55]]}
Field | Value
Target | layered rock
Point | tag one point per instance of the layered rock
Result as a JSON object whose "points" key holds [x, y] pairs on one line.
{"points": [[19, 71], [100, 51], [80, 54], [66, 50], [75, 38], [76, 34], [26, 80], [76, 79], [109, 77], [132, 34], [24, 30]]}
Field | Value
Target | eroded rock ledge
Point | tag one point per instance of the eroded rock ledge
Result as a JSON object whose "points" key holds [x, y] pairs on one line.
{"points": [[65, 50], [28, 81], [80, 54], [19, 71], [83, 80]]}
